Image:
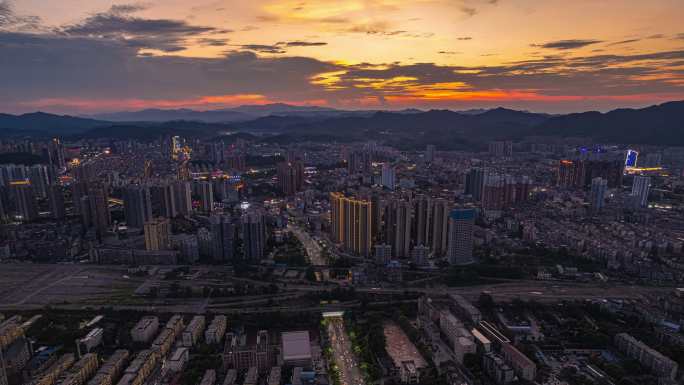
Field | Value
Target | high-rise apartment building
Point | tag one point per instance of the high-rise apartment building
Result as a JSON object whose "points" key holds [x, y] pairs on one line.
{"points": [[597, 195], [579, 173], [351, 223], [461, 227], [502, 191], [253, 235], [157, 234], [56, 153], [475, 183], [501, 148], [56, 201], [137, 205], [641, 187], [290, 177], [164, 200], [182, 194], [422, 216], [206, 192], [398, 227], [389, 176], [430, 153], [438, 235], [24, 200], [359, 162], [39, 175], [223, 235], [98, 203]]}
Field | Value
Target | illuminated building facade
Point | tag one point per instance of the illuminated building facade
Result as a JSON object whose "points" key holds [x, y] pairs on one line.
{"points": [[157, 234], [579, 173], [351, 223], [632, 158]]}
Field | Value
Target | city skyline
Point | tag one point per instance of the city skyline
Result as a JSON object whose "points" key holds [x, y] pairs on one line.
{"points": [[82, 57]]}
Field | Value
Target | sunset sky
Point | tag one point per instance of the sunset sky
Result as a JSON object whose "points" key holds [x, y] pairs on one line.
{"points": [[87, 56]]}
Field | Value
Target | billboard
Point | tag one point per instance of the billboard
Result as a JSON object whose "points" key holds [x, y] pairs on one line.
{"points": [[631, 159]]}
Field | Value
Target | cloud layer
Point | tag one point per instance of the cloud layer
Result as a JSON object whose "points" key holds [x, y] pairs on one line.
{"points": [[118, 59]]}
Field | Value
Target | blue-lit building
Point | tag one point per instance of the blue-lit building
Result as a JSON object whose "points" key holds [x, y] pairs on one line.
{"points": [[631, 158]]}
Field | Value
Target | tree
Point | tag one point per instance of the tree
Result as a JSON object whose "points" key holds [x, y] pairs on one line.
{"points": [[486, 301], [310, 274]]}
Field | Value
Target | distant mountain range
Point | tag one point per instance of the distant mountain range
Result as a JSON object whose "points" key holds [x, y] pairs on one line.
{"points": [[661, 124], [228, 115], [41, 122], [237, 114]]}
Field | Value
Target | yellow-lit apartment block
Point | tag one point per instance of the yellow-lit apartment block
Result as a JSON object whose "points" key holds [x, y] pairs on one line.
{"points": [[351, 223]]}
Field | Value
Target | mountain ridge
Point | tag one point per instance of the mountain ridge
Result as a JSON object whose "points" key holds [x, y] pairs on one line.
{"points": [[657, 124]]}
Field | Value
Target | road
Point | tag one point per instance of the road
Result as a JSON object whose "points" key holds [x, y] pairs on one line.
{"points": [[350, 374], [313, 249]]}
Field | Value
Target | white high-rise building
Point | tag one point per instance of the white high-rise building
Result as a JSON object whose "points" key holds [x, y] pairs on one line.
{"points": [[597, 196], [640, 189], [389, 176], [430, 153]]}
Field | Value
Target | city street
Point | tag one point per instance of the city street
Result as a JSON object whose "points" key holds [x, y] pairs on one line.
{"points": [[313, 249], [350, 374]]}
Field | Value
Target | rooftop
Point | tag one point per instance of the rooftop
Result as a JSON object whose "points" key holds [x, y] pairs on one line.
{"points": [[296, 345], [400, 348]]}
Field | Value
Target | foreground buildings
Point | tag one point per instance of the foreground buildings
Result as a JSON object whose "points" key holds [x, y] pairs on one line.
{"points": [[237, 232]]}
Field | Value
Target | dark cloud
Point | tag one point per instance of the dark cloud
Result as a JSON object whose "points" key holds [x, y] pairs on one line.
{"points": [[469, 11], [211, 42], [267, 18], [449, 53], [10, 20], [555, 75], [118, 23], [628, 41], [305, 43], [85, 65], [280, 47], [263, 48], [567, 44], [124, 9], [382, 28], [464, 38], [5, 12], [374, 28], [63, 67], [334, 20], [656, 36], [680, 36]]}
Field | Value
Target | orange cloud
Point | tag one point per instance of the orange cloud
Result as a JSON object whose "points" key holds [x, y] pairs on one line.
{"points": [[520, 95]]}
